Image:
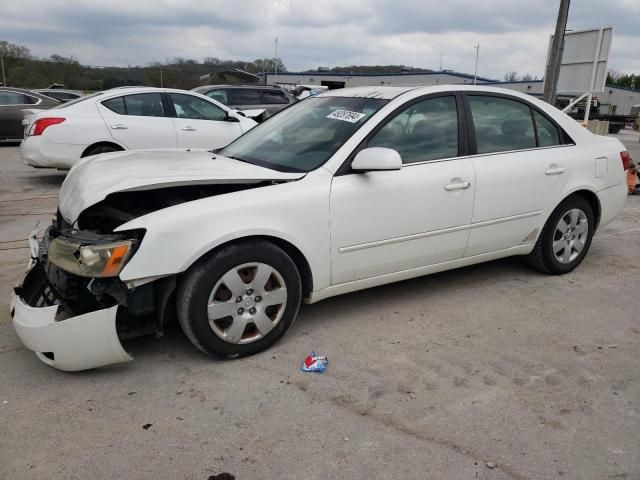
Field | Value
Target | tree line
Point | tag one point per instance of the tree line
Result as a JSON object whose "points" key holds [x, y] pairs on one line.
{"points": [[614, 78], [22, 69], [625, 80]]}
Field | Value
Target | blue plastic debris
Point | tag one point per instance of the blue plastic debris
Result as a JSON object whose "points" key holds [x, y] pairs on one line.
{"points": [[315, 363]]}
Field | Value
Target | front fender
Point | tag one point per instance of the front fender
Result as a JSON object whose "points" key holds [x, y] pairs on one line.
{"points": [[176, 237]]}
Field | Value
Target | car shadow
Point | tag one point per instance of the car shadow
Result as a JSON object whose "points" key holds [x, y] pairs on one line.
{"points": [[398, 294], [175, 346], [52, 178]]}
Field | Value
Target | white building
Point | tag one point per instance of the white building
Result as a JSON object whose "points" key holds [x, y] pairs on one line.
{"points": [[613, 100]]}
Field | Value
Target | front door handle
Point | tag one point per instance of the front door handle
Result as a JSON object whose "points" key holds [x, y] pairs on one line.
{"points": [[119, 126], [554, 170], [188, 128], [457, 186]]}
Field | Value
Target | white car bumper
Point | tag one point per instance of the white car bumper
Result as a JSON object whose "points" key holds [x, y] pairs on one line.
{"points": [[76, 343], [612, 201], [41, 152]]}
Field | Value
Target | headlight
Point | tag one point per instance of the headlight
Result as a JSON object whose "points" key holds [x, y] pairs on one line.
{"points": [[100, 260]]}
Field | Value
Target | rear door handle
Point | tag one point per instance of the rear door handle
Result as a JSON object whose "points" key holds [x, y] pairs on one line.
{"points": [[119, 126], [188, 128], [457, 186], [554, 170]]}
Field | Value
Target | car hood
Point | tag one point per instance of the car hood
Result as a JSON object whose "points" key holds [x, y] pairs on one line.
{"points": [[91, 180]]}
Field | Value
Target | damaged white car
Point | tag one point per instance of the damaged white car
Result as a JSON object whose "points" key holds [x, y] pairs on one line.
{"points": [[347, 190]]}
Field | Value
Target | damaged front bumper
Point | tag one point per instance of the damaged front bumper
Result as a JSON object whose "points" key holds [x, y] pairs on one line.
{"points": [[76, 323], [69, 343]]}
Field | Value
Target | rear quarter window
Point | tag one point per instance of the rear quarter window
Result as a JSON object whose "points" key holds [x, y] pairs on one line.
{"points": [[116, 105]]}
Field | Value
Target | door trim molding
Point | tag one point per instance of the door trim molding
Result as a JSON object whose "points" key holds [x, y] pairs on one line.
{"points": [[433, 233]]}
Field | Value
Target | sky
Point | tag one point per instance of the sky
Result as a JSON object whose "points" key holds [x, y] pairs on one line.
{"points": [[513, 34]]}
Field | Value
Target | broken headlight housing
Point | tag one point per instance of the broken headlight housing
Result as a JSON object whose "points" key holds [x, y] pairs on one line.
{"points": [[97, 260]]}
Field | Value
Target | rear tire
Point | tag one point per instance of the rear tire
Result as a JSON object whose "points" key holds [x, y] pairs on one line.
{"points": [[97, 149], [565, 238], [226, 310]]}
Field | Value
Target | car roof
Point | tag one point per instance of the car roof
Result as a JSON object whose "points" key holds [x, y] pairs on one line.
{"points": [[384, 93], [28, 92], [259, 87], [389, 92], [16, 89], [63, 90]]}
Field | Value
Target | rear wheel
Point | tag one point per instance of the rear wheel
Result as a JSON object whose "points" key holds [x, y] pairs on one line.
{"points": [[103, 148], [565, 238], [240, 300]]}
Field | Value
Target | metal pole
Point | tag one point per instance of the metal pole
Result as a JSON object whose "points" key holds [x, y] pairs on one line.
{"points": [[161, 83], [441, 61], [275, 75], [4, 78], [587, 109], [475, 73], [555, 55]]}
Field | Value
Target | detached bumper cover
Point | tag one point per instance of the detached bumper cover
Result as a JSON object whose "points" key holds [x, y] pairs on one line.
{"points": [[77, 343], [67, 343]]}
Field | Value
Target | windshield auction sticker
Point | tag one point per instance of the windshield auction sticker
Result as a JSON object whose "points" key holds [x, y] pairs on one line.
{"points": [[346, 116]]}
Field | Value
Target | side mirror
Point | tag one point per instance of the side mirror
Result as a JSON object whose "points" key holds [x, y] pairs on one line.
{"points": [[376, 158], [231, 118]]}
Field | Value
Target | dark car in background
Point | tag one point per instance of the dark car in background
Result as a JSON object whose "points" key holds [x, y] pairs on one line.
{"points": [[271, 99], [60, 94], [12, 102]]}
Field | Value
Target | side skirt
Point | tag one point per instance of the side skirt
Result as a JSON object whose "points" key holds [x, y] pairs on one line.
{"points": [[348, 287]]}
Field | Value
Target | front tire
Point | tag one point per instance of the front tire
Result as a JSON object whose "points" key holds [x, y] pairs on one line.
{"points": [[565, 238], [239, 300]]}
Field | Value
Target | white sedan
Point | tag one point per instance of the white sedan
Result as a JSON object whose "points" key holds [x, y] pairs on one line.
{"points": [[347, 190], [127, 118]]}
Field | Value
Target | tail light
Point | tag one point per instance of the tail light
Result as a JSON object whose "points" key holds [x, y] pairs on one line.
{"points": [[626, 160], [41, 124]]}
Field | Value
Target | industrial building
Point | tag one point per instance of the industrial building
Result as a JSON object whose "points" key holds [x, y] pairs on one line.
{"points": [[616, 100]]}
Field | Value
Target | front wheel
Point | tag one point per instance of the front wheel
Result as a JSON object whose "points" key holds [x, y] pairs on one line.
{"points": [[565, 238], [239, 300]]}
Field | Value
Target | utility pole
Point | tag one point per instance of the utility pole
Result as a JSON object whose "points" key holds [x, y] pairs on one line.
{"points": [[475, 73], [4, 78], [161, 84], [441, 61], [275, 76], [555, 55]]}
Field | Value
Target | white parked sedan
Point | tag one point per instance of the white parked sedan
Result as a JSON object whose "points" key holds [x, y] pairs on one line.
{"points": [[347, 190], [128, 118]]}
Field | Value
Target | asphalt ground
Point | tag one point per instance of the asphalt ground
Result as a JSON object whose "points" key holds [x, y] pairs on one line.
{"points": [[440, 377]]}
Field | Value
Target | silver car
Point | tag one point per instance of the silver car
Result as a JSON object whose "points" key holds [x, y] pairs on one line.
{"points": [[271, 99]]}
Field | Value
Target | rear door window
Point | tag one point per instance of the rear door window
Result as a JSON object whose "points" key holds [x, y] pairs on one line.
{"points": [[501, 124], [244, 96], [548, 134], [139, 104], [144, 105], [15, 98]]}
